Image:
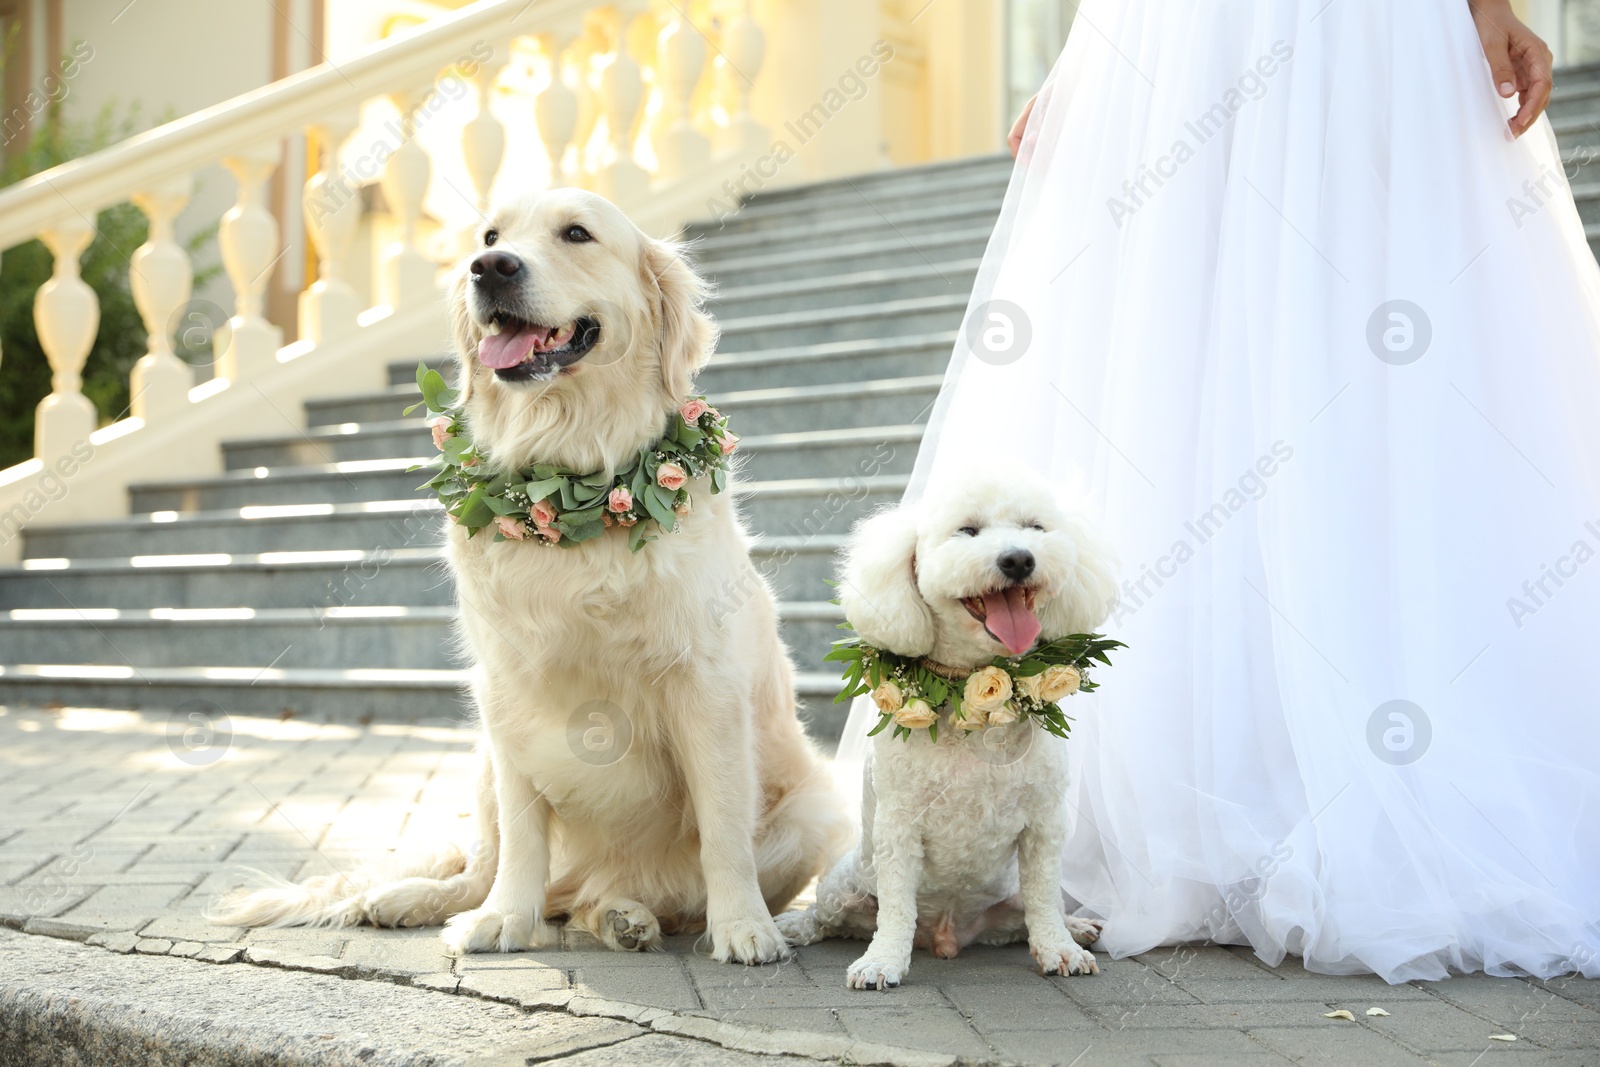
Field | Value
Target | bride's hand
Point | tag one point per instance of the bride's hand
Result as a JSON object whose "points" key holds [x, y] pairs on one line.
{"points": [[1020, 127], [1521, 62]]}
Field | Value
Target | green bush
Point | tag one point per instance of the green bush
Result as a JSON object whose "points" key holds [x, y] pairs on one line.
{"points": [[120, 341]]}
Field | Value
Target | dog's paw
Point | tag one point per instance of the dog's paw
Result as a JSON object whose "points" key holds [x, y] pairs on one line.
{"points": [[799, 927], [413, 902], [1064, 959], [629, 927], [748, 941], [870, 973], [487, 929], [1084, 931]]}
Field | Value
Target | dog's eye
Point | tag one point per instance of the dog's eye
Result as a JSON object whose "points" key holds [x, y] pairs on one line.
{"points": [[968, 531], [1036, 526], [576, 235], [490, 237]]}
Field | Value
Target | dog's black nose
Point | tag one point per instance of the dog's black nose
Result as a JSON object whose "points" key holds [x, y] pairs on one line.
{"points": [[1016, 564], [494, 268]]}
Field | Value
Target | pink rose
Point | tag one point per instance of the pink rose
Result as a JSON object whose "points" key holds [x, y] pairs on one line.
{"points": [[549, 533], [441, 431], [605, 518], [692, 410], [729, 443], [671, 476], [544, 513], [620, 500], [511, 529]]}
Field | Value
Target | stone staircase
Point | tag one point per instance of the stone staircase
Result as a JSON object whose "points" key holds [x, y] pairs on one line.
{"points": [[1575, 114], [307, 577]]}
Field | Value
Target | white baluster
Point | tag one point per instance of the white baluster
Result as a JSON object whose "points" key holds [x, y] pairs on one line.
{"points": [[66, 315], [555, 109], [332, 210], [619, 178], [483, 138], [162, 279], [249, 239], [744, 49], [680, 57], [407, 273]]}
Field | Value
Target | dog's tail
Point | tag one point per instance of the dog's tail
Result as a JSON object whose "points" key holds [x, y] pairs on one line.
{"points": [[410, 890]]}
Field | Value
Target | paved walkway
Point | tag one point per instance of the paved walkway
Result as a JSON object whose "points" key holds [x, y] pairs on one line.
{"points": [[117, 828]]}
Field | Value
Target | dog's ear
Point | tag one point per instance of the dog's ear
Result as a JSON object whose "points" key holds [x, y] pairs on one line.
{"points": [[1091, 594], [878, 586], [686, 334]]}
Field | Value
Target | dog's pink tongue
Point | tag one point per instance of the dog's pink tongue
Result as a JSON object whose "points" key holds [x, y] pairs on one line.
{"points": [[507, 348], [1008, 617]]}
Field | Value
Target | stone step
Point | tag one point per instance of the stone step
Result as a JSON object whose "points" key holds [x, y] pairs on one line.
{"points": [[826, 294], [829, 363], [284, 483], [341, 695], [355, 695], [794, 507], [894, 222], [916, 315], [412, 576], [759, 266], [795, 567], [793, 408], [321, 638], [857, 199], [339, 449], [927, 179]]}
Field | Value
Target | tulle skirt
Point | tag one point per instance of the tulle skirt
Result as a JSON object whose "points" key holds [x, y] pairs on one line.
{"points": [[1317, 344]]}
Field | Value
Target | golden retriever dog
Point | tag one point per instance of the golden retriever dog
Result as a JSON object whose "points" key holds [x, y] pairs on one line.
{"points": [[643, 769]]}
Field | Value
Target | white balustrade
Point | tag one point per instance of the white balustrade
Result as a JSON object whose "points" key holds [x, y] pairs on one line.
{"points": [[332, 211], [555, 109], [66, 316], [744, 50], [407, 273], [621, 86], [161, 278], [250, 250], [601, 69], [681, 52]]}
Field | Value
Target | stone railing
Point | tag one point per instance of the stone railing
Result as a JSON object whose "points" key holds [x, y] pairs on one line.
{"points": [[630, 99]]}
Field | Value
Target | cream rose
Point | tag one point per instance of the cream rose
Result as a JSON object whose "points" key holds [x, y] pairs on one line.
{"points": [[544, 513], [916, 715], [969, 720], [692, 410], [987, 688], [1051, 684], [620, 500], [729, 442], [1004, 715], [889, 697], [510, 528], [671, 476]]}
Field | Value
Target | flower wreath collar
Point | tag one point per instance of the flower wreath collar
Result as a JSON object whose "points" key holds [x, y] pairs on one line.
{"points": [[911, 691], [556, 506]]}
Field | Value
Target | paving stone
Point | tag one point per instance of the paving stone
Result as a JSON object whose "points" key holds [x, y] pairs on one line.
{"points": [[1171, 1042], [1560, 1034], [1345, 992], [122, 941], [220, 954], [404, 952], [132, 904], [1343, 1044], [1232, 1059], [815, 1020], [297, 961], [934, 1029], [528, 986], [1435, 1027], [1224, 1016], [153, 946], [63, 928], [18, 904], [184, 928], [443, 982], [660, 1050], [907, 994], [654, 987], [187, 949], [1049, 1047], [1214, 962], [305, 941]]}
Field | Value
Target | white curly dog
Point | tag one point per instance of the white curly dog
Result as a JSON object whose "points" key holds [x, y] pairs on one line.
{"points": [[961, 838]]}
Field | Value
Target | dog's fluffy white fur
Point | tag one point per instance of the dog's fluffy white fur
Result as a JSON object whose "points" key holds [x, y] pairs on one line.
{"points": [[721, 809], [961, 838]]}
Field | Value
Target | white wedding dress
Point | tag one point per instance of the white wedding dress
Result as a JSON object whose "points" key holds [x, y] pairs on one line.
{"points": [[1277, 298]]}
